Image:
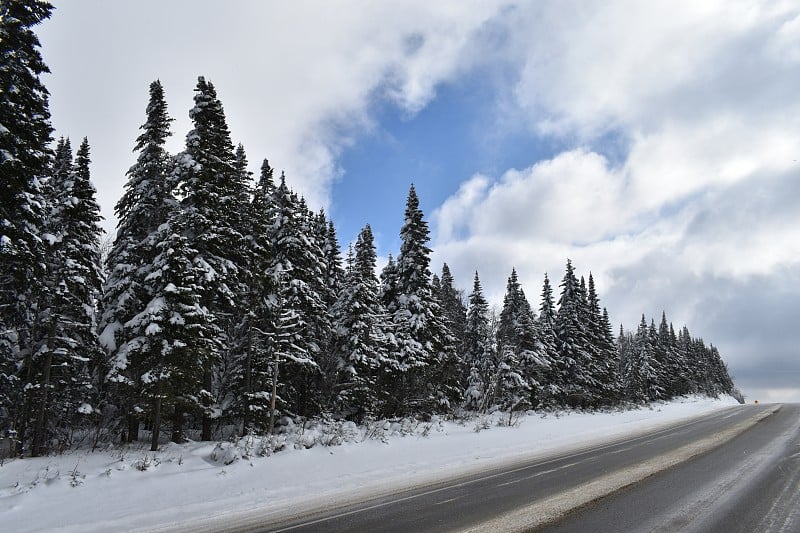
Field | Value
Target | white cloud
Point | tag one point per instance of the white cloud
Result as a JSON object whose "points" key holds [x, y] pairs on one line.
{"points": [[690, 88], [297, 79], [699, 214], [590, 68]]}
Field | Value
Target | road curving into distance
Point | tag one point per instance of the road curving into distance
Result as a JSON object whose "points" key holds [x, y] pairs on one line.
{"points": [[749, 484], [594, 489]]}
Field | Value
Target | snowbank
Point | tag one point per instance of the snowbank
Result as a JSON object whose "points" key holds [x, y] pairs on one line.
{"points": [[136, 489]]}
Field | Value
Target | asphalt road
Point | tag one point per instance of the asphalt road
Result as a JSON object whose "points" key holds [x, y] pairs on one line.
{"points": [[696, 493], [749, 484]]}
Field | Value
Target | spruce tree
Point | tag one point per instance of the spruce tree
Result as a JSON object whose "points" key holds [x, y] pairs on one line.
{"points": [[211, 217], [25, 158], [258, 322], [518, 347], [551, 392], [426, 371], [452, 303], [573, 352], [66, 345], [613, 385], [132, 277], [641, 372], [301, 318], [361, 343], [604, 364], [478, 349], [388, 289], [228, 373], [179, 334]]}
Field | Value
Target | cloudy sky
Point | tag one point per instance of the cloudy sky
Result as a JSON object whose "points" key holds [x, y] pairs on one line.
{"points": [[656, 144]]}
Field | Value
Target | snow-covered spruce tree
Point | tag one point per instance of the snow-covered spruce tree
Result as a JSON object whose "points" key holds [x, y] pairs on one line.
{"points": [[658, 361], [479, 357], [388, 284], [178, 333], [333, 276], [228, 372], [592, 364], [573, 352], [211, 216], [625, 349], [552, 387], [640, 371], [65, 343], [129, 286], [604, 364], [85, 237], [25, 158], [693, 367], [300, 313], [455, 312], [519, 363], [613, 387], [423, 376], [332, 279], [677, 365], [671, 363], [258, 351], [360, 341], [719, 379]]}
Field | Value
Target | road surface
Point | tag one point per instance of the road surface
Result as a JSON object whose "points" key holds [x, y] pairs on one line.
{"points": [[735, 470], [750, 484]]}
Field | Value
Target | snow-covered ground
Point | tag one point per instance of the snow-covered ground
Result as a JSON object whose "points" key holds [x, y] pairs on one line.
{"points": [[124, 490]]}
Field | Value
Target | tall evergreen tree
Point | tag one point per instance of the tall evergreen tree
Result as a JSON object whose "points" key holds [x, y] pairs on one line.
{"points": [[360, 327], [65, 343], [131, 275], [604, 363], [297, 272], [518, 344], [228, 373], [210, 215], [552, 390], [258, 322], [478, 349], [573, 354], [641, 376], [25, 158], [330, 286], [452, 303], [426, 368], [609, 346], [179, 333]]}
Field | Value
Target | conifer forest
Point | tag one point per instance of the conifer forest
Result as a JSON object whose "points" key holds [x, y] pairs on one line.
{"points": [[224, 301]]}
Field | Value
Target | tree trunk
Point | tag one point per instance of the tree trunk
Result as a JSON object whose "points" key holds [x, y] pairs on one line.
{"points": [[156, 421], [177, 426], [248, 379], [206, 431], [133, 427], [274, 393], [39, 430]]}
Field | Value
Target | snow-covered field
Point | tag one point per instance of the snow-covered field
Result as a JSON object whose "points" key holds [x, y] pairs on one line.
{"points": [[130, 489]]}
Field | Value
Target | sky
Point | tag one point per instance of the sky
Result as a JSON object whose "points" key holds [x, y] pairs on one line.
{"points": [[655, 144]]}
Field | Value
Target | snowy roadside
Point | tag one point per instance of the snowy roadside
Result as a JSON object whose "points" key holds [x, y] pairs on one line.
{"points": [[136, 489]]}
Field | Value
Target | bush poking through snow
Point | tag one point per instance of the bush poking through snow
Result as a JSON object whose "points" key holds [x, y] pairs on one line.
{"points": [[226, 452], [76, 478], [146, 462]]}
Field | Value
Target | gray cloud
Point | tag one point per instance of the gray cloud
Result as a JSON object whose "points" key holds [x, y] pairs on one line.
{"points": [[699, 216]]}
